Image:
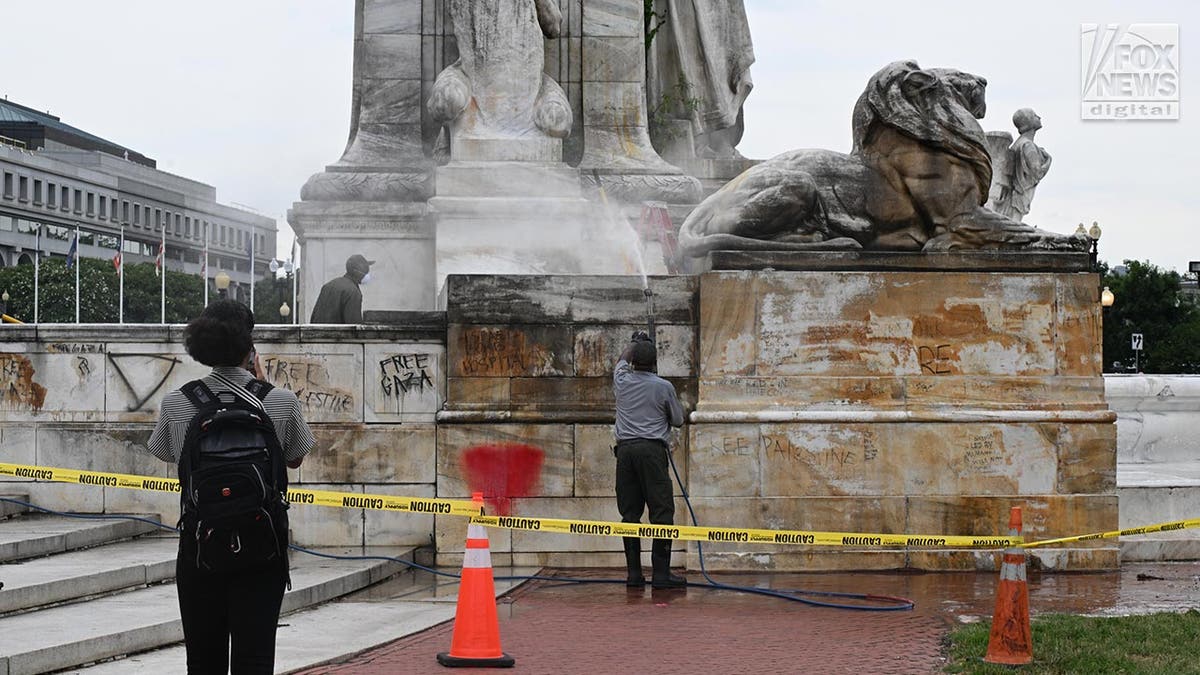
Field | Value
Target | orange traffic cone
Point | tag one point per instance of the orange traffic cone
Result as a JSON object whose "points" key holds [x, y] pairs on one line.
{"points": [[476, 640], [1011, 640]]}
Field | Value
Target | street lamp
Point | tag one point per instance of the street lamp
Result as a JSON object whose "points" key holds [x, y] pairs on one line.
{"points": [[4, 302], [1093, 233], [284, 311], [1107, 298], [222, 282]]}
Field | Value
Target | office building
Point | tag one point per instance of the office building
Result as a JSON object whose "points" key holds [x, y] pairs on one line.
{"points": [[57, 176]]}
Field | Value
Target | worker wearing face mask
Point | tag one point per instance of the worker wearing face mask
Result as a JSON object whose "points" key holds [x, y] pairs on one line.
{"points": [[340, 300]]}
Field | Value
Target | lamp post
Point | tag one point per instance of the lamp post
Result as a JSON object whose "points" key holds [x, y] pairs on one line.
{"points": [[4, 302], [1092, 233], [1107, 298], [284, 311], [222, 282]]}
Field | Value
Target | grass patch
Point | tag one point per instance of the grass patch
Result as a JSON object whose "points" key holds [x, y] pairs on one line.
{"points": [[1064, 643]]}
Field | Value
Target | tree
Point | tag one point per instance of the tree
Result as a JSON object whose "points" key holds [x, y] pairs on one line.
{"points": [[99, 293], [1149, 301], [269, 293]]}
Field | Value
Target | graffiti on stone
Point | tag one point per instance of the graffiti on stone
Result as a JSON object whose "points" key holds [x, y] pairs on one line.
{"points": [[83, 366], [138, 393], [308, 379], [400, 374], [935, 360], [75, 348], [18, 390]]}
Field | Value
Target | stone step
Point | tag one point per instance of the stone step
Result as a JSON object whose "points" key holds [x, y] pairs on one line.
{"points": [[148, 618], [35, 535], [8, 509], [1156, 500], [95, 571], [402, 606]]}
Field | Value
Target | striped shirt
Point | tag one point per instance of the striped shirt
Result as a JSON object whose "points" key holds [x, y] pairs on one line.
{"points": [[176, 413]]}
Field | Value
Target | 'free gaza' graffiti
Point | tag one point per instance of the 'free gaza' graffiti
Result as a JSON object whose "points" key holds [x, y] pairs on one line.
{"points": [[402, 373]]}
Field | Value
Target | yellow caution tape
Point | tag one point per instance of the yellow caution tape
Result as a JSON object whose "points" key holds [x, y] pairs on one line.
{"points": [[1160, 527], [460, 507], [351, 500], [738, 534]]}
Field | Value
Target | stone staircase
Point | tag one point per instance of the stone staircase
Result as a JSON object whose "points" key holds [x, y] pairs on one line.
{"points": [[78, 593]]}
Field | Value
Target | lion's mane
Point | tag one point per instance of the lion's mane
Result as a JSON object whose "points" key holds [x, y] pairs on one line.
{"points": [[930, 106]]}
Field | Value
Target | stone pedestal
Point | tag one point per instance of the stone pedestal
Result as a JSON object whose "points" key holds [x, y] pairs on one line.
{"points": [[399, 236], [923, 402], [508, 218], [507, 206], [529, 361], [372, 200], [617, 151]]}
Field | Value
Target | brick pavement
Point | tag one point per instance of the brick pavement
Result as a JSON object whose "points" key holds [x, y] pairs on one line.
{"points": [[564, 629]]}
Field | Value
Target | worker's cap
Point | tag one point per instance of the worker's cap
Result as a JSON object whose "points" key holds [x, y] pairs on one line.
{"points": [[358, 262], [643, 355]]}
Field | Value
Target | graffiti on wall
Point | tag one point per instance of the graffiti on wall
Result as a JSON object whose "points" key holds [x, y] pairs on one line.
{"points": [[309, 380], [141, 394], [400, 374], [17, 387]]}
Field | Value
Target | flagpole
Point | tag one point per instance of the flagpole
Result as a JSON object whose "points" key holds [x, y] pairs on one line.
{"points": [[76, 264], [204, 270], [162, 262], [37, 269], [253, 236], [295, 273], [121, 277]]}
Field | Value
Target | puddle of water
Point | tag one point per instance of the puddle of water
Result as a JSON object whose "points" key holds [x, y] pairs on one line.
{"points": [[1140, 588]]}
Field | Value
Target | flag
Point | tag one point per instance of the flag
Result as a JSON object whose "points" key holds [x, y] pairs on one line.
{"points": [[158, 260], [73, 252], [117, 263]]}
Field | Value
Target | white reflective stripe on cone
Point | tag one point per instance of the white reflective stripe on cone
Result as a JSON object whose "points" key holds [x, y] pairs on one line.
{"points": [[475, 531], [477, 558], [1013, 571]]}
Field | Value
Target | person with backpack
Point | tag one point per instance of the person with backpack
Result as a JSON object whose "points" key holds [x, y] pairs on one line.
{"points": [[231, 435]]}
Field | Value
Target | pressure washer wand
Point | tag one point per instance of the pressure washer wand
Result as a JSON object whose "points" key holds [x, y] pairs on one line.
{"points": [[649, 311]]}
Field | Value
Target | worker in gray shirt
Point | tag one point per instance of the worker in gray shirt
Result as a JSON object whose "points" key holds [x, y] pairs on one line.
{"points": [[647, 408]]}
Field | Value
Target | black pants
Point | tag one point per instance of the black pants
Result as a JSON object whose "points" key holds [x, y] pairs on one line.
{"points": [[644, 481], [218, 609]]}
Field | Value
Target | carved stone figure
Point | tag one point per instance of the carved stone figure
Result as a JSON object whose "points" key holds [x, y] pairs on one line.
{"points": [[699, 70], [497, 89], [916, 179], [1021, 167]]}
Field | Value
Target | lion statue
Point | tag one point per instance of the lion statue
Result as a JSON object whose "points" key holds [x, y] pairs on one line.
{"points": [[917, 179]]}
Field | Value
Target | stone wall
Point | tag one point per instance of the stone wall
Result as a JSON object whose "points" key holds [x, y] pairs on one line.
{"points": [[920, 402], [530, 362], [86, 397], [1157, 417]]}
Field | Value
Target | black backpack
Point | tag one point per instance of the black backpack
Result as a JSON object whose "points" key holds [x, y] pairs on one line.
{"points": [[233, 480]]}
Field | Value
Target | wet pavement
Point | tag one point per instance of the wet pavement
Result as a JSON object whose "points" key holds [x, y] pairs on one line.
{"points": [[552, 627]]}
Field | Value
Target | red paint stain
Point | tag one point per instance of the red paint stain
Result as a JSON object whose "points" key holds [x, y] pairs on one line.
{"points": [[502, 472]]}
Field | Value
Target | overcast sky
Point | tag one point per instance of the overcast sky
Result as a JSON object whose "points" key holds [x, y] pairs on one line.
{"points": [[253, 96]]}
